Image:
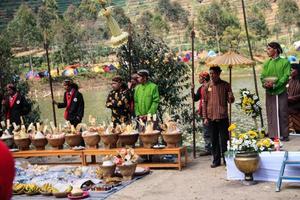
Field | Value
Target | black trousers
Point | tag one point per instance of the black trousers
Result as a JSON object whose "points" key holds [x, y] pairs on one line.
{"points": [[219, 135]]}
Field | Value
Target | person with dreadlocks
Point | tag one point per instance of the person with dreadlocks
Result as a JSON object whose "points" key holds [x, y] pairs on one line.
{"points": [[274, 77], [294, 98], [203, 80]]}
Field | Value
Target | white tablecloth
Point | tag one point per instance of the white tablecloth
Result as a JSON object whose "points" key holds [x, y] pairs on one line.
{"points": [[269, 167]]}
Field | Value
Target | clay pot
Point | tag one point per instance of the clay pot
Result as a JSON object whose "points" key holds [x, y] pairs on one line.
{"points": [[149, 139], [39, 143], [127, 171], [92, 141], [108, 171], [172, 140], [23, 144], [128, 139], [109, 140], [73, 140], [56, 143]]}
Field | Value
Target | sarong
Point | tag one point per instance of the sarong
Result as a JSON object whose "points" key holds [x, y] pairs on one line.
{"points": [[277, 111]]}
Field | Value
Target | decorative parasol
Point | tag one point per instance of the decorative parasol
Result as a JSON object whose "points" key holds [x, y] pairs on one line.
{"points": [[230, 59]]}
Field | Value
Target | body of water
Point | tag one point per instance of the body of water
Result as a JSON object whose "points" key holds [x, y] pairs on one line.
{"points": [[94, 105], [95, 102]]}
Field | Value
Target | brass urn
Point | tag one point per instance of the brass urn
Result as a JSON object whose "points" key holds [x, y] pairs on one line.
{"points": [[247, 163]]}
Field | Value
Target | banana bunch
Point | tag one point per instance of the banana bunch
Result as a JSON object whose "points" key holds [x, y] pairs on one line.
{"points": [[31, 188], [68, 190], [46, 188], [18, 188]]}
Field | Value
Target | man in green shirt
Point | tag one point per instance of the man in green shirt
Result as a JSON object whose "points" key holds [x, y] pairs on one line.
{"points": [[146, 96], [274, 77]]}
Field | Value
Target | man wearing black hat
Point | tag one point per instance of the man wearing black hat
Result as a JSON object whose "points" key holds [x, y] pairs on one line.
{"points": [[274, 78], [73, 102], [146, 96]]}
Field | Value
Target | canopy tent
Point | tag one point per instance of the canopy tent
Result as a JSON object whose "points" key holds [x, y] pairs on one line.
{"points": [[31, 75], [70, 72], [74, 66], [297, 45], [292, 59], [229, 60]]}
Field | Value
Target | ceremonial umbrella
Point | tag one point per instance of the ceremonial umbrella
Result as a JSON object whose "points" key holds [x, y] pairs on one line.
{"points": [[229, 60]]}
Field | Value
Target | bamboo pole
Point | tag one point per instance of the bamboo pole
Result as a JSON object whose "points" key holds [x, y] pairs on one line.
{"points": [[251, 55], [193, 92], [46, 47]]}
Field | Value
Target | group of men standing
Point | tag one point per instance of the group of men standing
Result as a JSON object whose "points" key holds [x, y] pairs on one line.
{"points": [[282, 102], [138, 98]]}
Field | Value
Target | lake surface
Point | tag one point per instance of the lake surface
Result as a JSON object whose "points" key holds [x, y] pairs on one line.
{"points": [[95, 102]]}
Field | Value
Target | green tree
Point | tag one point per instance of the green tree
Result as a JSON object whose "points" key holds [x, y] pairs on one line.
{"points": [[232, 37], [120, 17], [67, 41], [51, 5], [257, 24], [70, 14], [23, 30], [263, 5], [144, 20], [87, 10], [47, 16], [288, 14], [153, 23], [213, 19], [173, 12], [170, 75]]}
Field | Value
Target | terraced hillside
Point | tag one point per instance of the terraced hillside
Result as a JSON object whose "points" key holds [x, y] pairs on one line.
{"points": [[9, 7], [134, 8]]}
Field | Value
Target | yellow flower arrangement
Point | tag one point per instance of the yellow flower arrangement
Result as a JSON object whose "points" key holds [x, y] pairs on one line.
{"points": [[249, 103], [250, 141]]}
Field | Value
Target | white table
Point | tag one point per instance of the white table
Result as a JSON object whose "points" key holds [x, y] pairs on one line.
{"points": [[269, 167]]}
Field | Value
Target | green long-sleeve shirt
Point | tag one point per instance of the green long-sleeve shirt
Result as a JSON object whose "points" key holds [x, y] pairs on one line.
{"points": [[146, 99], [280, 68]]}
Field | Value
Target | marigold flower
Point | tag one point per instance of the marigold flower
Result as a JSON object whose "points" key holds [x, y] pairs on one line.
{"points": [[232, 127]]}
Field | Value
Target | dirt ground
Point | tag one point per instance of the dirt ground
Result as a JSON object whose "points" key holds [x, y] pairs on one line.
{"points": [[199, 181]]}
